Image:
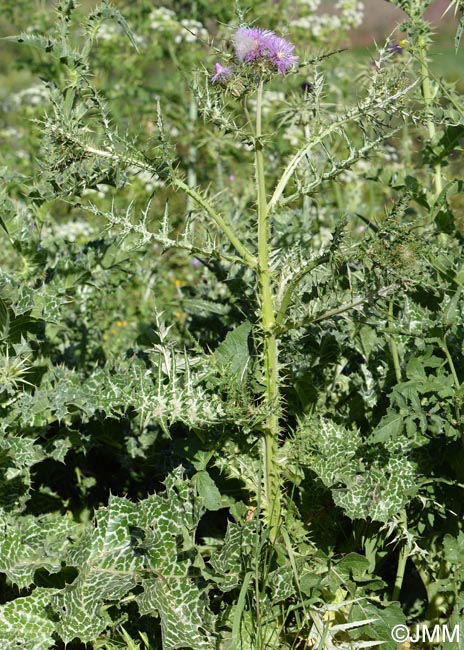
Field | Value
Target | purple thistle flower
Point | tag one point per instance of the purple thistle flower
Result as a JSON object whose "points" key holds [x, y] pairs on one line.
{"points": [[398, 47], [250, 43], [280, 53], [222, 74]]}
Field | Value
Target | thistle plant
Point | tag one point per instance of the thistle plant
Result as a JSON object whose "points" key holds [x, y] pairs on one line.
{"points": [[260, 56]]}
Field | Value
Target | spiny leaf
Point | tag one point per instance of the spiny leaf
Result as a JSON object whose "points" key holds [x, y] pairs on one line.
{"points": [[367, 481], [25, 624], [183, 611], [106, 11], [28, 544], [231, 559]]}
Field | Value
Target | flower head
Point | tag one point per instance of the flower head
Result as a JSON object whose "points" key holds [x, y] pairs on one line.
{"points": [[250, 43], [280, 53], [222, 74]]}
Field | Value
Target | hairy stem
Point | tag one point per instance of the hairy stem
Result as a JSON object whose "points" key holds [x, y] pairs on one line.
{"points": [[427, 94], [402, 559], [271, 428], [449, 358], [192, 151], [393, 346]]}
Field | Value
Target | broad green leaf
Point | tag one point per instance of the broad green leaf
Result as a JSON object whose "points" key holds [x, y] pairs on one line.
{"points": [[170, 587], [353, 564], [389, 427], [282, 583], [107, 558], [383, 620], [207, 491], [367, 481], [454, 553], [183, 610], [233, 353], [198, 305]]}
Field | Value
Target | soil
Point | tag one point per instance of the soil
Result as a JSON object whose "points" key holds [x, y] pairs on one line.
{"points": [[381, 17]]}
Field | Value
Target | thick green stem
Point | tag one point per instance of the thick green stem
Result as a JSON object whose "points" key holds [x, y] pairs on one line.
{"points": [[428, 100], [192, 151], [393, 347], [404, 551], [402, 559], [449, 358], [270, 361]]}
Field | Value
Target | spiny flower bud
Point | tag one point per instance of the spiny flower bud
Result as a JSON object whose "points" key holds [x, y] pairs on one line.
{"points": [[222, 75]]}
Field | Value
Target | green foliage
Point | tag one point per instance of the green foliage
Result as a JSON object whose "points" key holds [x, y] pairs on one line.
{"points": [[215, 304], [367, 481]]}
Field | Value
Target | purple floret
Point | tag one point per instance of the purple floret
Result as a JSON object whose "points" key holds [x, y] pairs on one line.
{"points": [[395, 48], [250, 43], [280, 53], [222, 74]]}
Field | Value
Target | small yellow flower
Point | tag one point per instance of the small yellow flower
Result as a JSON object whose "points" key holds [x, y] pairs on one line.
{"points": [[105, 337], [113, 331], [124, 323], [178, 314], [119, 323], [178, 283]]}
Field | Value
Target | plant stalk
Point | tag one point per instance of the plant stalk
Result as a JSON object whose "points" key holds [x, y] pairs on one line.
{"points": [[428, 100], [452, 367], [272, 501], [393, 346], [192, 152], [402, 559], [404, 551]]}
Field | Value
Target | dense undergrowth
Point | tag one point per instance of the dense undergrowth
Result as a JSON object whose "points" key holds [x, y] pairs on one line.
{"points": [[231, 331]]}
